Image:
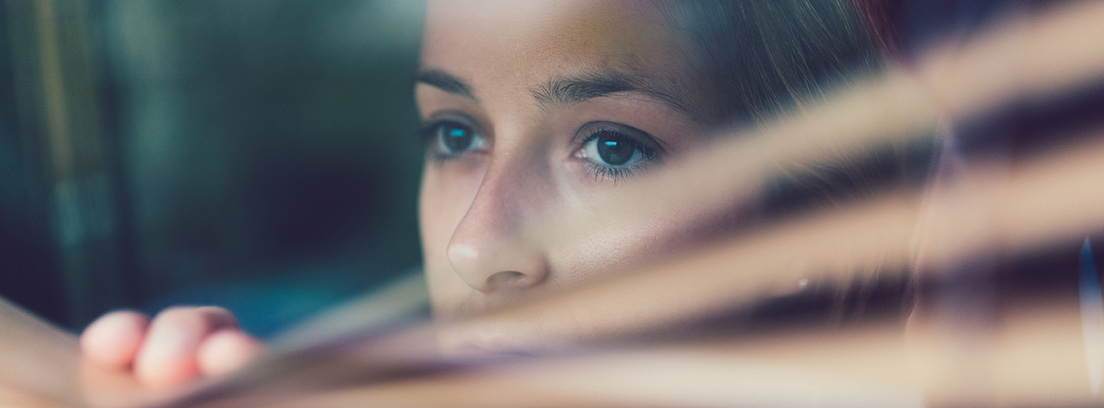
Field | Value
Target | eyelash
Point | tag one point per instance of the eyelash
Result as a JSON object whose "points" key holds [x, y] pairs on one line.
{"points": [[430, 134], [648, 155]]}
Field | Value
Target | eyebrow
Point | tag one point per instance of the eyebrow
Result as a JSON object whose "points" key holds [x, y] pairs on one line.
{"points": [[445, 82], [568, 91], [560, 91]]}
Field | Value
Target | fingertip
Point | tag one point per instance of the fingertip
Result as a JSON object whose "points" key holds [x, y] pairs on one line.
{"points": [[167, 356], [226, 351], [113, 340], [217, 317]]}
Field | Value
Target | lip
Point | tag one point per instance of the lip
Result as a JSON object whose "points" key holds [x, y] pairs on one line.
{"points": [[480, 342]]}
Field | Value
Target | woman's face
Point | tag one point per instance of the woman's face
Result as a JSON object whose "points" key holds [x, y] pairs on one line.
{"points": [[533, 108]]}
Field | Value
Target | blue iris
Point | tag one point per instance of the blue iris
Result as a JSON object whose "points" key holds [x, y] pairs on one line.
{"points": [[459, 138], [614, 149]]}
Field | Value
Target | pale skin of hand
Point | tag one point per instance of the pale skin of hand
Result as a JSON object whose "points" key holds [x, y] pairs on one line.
{"points": [[178, 346]]}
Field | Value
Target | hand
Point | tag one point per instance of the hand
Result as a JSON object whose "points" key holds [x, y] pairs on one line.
{"points": [[180, 345]]}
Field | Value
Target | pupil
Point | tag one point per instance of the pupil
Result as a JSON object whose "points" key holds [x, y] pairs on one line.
{"points": [[615, 150], [457, 138]]}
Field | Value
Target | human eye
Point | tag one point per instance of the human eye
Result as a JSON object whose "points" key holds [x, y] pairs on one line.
{"points": [[450, 138], [616, 151]]}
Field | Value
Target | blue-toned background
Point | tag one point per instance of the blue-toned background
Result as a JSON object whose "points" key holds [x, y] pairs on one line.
{"points": [[258, 155]]}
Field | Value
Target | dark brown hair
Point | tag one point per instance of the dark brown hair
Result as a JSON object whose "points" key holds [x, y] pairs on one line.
{"points": [[764, 57]]}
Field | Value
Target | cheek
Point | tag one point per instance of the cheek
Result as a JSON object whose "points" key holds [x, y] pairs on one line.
{"points": [[609, 249], [641, 241]]}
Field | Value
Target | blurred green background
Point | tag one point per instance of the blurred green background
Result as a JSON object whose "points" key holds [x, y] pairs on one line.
{"points": [[254, 154]]}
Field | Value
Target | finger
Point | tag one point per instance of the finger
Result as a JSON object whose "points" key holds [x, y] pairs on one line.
{"points": [[227, 351], [168, 355], [113, 340]]}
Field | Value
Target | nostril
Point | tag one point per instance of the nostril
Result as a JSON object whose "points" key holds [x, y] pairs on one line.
{"points": [[508, 279]]}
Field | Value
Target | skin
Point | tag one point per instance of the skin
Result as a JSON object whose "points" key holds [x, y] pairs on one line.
{"points": [[179, 345], [478, 207], [484, 65]]}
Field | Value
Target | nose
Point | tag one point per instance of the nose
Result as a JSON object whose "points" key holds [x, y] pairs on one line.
{"points": [[491, 249]]}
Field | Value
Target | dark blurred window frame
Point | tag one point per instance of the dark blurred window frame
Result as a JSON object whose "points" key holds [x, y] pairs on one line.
{"points": [[61, 226]]}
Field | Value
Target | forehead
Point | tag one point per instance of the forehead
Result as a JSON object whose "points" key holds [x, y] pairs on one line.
{"points": [[530, 41]]}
